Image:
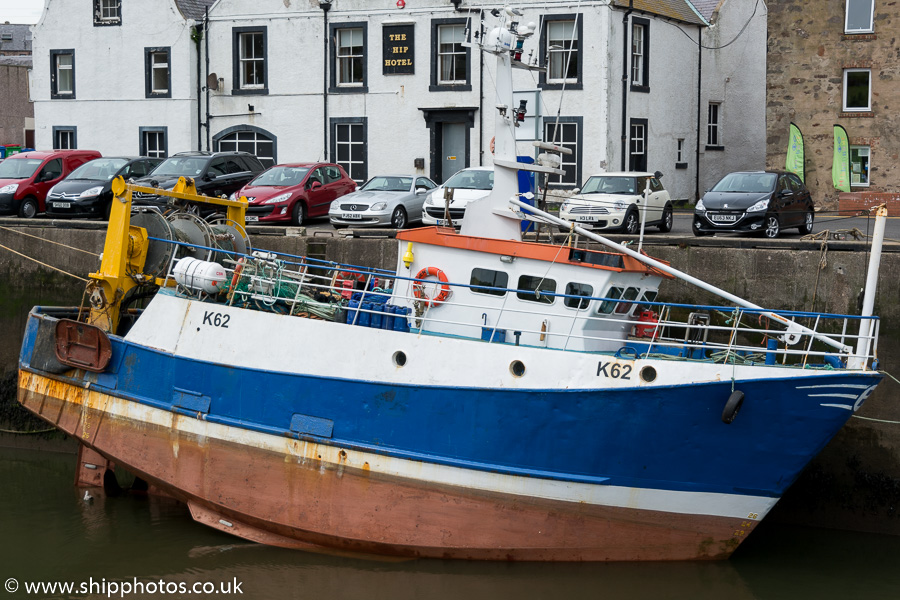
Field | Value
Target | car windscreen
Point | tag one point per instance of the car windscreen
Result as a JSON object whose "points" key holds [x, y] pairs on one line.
{"points": [[100, 169], [607, 184], [388, 184], [281, 176], [190, 166], [743, 183], [471, 180], [19, 168]]}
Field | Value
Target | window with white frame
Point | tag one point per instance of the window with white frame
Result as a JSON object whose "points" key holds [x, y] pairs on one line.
{"points": [[107, 12], [158, 75], [62, 74], [858, 18], [452, 56], [857, 89], [255, 142], [250, 68], [153, 142], [562, 49], [713, 125], [859, 165], [350, 56], [64, 138], [349, 148], [680, 150], [640, 54], [566, 133], [637, 146]]}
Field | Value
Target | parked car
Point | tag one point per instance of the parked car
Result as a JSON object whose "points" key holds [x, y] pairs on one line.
{"points": [[389, 200], [25, 178], [215, 174], [612, 201], [469, 184], [87, 191], [295, 192], [764, 202]]}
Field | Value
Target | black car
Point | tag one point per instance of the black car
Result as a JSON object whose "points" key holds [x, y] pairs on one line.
{"points": [[765, 202], [87, 192], [214, 173]]}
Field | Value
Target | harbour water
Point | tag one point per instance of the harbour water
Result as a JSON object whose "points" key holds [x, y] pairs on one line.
{"points": [[50, 533]]}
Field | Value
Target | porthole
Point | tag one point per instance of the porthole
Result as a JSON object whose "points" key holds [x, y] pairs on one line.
{"points": [[399, 358], [517, 368], [648, 374]]}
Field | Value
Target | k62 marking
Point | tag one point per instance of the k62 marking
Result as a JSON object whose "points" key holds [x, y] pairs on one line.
{"points": [[214, 319], [613, 370]]}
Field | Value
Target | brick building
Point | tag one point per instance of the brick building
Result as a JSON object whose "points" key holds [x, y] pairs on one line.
{"points": [[835, 62]]}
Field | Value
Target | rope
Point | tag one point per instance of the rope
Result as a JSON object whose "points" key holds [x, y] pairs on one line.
{"points": [[44, 264], [881, 420], [37, 237]]}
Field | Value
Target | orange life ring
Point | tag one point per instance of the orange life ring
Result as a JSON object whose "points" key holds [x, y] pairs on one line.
{"points": [[419, 287]]}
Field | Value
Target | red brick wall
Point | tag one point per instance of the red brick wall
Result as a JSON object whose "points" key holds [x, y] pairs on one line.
{"points": [[855, 202]]}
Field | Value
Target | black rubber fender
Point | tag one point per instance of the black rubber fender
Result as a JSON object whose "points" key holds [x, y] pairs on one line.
{"points": [[733, 406]]}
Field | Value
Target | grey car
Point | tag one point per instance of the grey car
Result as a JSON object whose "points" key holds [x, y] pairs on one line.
{"points": [[386, 200]]}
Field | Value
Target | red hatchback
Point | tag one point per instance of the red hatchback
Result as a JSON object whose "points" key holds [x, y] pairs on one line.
{"points": [[295, 192]]}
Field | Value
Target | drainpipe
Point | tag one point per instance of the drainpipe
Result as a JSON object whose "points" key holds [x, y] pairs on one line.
{"points": [[480, 93], [699, 108], [196, 36], [625, 81], [206, 37], [325, 6]]}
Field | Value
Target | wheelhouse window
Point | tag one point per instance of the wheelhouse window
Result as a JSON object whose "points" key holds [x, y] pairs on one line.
{"points": [[859, 165], [154, 142], [578, 289], [450, 68], [482, 280], [536, 289], [256, 142], [158, 77], [640, 55], [858, 18], [566, 132], [561, 52], [250, 68], [857, 90], [349, 147], [107, 12], [62, 73], [713, 126], [637, 149], [64, 138]]}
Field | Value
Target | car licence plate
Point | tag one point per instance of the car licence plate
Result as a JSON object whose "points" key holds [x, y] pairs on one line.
{"points": [[724, 218], [355, 216], [251, 218], [61, 204], [585, 218]]}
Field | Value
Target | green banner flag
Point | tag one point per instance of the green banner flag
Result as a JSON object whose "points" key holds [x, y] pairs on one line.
{"points": [[840, 168], [796, 160]]}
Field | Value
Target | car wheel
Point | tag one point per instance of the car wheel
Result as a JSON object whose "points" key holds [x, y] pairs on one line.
{"points": [[631, 224], [807, 226], [29, 208], [298, 215], [398, 218], [773, 227], [665, 226]]}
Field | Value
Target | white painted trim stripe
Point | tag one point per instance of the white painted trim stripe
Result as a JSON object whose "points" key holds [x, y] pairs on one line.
{"points": [[833, 385], [850, 396], [844, 406]]}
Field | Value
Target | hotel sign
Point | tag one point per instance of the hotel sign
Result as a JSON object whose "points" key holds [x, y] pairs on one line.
{"points": [[398, 49]]}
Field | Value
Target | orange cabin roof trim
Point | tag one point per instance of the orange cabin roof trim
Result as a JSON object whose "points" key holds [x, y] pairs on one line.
{"points": [[448, 238]]}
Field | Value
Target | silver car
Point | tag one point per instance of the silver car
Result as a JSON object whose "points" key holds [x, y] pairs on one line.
{"points": [[388, 200]]}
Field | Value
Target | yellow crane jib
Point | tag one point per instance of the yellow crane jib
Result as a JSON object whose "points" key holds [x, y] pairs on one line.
{"points": [[125, 250]]}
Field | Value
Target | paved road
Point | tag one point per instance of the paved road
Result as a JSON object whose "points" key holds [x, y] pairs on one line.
{"points": [[682, 227]]}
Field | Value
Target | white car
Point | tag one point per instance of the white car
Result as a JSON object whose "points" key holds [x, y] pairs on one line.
{"points": [[614, 202], [469, 184]]}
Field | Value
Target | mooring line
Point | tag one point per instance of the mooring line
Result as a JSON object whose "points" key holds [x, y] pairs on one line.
{"points": [[43, 264], [37, 237]]}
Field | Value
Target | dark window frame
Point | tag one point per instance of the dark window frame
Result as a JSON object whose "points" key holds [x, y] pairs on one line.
{"points": [[54, 84], [529, 294], [643, 87], [478, 288], [148, 71], [332, 126], [142, 146], [579, 31], [334, 88], [645, 123], [579, 149], [57, 129], [236, 34], [714, 144], [99, 21], [436, 85], [219, 136]]}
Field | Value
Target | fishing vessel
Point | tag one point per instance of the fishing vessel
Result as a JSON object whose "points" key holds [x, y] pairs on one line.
{"points": [[490, 398]]}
